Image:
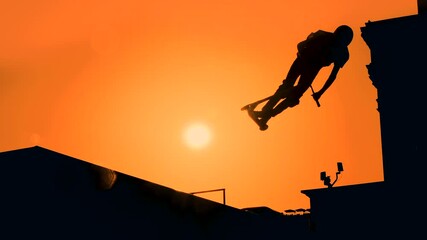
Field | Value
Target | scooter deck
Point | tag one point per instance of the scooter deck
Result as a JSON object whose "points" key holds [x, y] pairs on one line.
{"points": [[252, 115]]}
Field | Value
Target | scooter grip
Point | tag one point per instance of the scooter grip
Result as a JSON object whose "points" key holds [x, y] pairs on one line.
{"points": [[317, 102]]}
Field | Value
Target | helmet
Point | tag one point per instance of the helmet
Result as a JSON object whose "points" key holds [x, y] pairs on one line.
{"points": [[344, 34]]}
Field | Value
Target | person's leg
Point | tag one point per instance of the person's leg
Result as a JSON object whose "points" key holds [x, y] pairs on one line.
{"points": [[306, 79], [293, 73]]}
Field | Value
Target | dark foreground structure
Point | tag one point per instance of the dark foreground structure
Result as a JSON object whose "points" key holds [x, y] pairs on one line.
{"points": [[398, 70], [49, 195]]}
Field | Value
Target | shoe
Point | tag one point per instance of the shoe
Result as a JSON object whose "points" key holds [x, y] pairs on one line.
{"points": [[263, 127], [263, 124]]}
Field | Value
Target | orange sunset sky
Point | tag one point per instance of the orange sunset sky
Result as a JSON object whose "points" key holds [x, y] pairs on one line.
{"points": [[119, 83]]}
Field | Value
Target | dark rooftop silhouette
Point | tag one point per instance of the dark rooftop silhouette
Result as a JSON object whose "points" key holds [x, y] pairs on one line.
{"points": [[50, 195]]}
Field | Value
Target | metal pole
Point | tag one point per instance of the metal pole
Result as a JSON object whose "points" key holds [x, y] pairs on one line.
{"points": [[214, 190]]}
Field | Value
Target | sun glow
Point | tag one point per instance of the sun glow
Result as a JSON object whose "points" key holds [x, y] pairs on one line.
{"points": [[197, 136]]}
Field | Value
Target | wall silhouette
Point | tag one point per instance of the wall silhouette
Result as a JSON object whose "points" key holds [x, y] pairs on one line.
{"points": [[398, 70]]}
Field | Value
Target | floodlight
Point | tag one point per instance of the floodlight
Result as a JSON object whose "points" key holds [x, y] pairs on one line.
{"points": [[322, 176], [340, 167]]}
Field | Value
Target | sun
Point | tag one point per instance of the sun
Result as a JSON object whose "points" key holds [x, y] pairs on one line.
{"points": [[197, 136]]}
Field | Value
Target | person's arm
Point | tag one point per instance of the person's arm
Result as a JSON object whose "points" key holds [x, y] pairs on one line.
{"points": [[328, 82]]}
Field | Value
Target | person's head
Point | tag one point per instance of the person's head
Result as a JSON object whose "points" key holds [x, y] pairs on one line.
{"points": [[344, 34]]}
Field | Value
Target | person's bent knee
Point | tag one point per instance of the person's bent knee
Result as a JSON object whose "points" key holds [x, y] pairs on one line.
{"points": [[293, 102]]}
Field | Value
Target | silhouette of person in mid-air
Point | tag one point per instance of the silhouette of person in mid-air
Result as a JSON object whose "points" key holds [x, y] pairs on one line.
{"points": [[319, 50]]}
